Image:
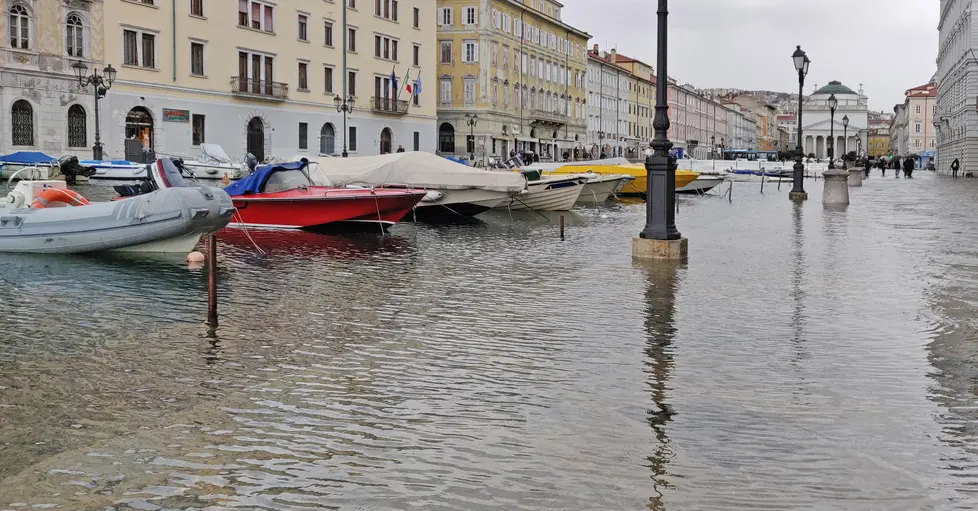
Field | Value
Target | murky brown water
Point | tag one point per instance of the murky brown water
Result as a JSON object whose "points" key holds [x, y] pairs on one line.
{"points": [[803, 359]]}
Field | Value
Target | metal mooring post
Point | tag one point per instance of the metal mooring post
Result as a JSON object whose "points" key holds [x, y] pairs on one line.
{"points": [[212, 280]]}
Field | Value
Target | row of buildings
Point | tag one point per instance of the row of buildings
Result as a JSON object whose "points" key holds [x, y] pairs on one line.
{"points": [[481, 77]]}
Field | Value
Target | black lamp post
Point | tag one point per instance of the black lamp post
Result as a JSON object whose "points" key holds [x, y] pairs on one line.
{"points": [[601, 135], [713, 152], [660, 198], [723, 148], [344, 105], [472, 120], [845, 139], [833, 103], [102, 83], [798, 192]]}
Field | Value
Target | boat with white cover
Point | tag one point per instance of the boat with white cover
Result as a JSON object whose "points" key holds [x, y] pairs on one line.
{"points": [[162, 215], [702, 184], [456, 192], [116, 170], [214, 163]]}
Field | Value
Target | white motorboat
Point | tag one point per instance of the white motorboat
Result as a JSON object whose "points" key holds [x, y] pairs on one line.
{"points": [[548, 193], [456, 192], [162, 215], [116, 170], [47, 167], [702, 184], [599, 187], [214, 163]]}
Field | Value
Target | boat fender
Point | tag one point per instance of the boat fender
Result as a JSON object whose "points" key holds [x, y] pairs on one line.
{"points": [[432, 196], [17, 199]]}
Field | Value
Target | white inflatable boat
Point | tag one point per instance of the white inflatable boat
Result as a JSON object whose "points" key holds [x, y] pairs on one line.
{"points": [[160, 215]]}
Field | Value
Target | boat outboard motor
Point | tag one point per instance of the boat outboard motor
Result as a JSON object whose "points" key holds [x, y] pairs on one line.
{"points": [[251, 162], [71, 169], [163, 173]]}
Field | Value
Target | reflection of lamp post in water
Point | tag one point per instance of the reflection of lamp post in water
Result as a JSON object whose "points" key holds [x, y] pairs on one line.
{"points": [[102, 83]]}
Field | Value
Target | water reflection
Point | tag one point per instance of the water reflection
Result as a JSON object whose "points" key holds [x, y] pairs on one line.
{"points": [[798, 316], [662, 281]]}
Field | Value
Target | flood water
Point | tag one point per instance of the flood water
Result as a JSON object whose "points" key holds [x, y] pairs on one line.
{"points": [[803, 359]]}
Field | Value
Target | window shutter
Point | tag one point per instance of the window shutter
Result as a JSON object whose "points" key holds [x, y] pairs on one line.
{"points": [[441, 16]]}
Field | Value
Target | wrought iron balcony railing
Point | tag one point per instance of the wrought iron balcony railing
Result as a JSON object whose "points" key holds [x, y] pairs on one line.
{"points": [[266, 89], [389, 105]]}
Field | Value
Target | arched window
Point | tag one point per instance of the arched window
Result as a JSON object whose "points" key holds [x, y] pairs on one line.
{"points": [[446, 138], [385, 141], [77, 129], [74, 36], [20, 32], [22, 123], [327, 139]]}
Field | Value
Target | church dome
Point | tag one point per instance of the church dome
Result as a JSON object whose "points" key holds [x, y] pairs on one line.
{"points": [[835, 87]]}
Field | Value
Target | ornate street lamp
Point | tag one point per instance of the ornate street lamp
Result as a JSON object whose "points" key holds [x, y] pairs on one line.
{"points": [[102, 83], [472, 120], [845, 140], [801, 61], [344, 105], [660, 197], [601, 135], [833, 104]]}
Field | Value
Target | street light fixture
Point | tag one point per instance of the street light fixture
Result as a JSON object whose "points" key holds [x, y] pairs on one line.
{"points": [[845, 139], [344, 105], [102, 83], [801, 62], [833, 104], [472, 120]]}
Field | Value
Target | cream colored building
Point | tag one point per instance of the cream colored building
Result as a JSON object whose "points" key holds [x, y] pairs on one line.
{"points": [[44, 109], [260, 76], [519, 68], [620, 97]]}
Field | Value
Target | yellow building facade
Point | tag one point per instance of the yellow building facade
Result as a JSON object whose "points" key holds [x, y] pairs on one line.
{"points": [[879, 141], [260, 77], [44, 107], [517, 67]]}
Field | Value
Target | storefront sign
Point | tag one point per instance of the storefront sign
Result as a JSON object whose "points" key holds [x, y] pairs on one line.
{"points": [[172, 115]]}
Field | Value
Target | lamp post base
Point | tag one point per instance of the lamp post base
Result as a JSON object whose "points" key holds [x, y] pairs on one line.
{"points": [[798, 196], [836, 188], [673, 251], [97, 152]]}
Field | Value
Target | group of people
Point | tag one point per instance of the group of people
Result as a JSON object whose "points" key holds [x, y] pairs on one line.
{"points": [[906, 164]]}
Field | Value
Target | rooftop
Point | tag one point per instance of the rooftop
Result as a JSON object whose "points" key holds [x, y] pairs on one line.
{"points": [[835, 87]]}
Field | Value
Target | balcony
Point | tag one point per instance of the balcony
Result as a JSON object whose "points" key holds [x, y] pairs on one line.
{"points": [[389, 106], [260, 89], [548, 116]]}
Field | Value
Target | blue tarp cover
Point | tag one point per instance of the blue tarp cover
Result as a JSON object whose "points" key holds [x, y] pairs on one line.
{"points": [[27, 158], [256, 181]]}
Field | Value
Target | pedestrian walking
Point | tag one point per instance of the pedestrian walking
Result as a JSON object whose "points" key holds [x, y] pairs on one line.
{"points": [[908, 165], [895, 165], [955, 165], [882, 165], [400, 149]]}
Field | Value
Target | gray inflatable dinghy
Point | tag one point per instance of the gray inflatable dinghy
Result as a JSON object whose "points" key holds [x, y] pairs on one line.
{"points": [[162, 215]]}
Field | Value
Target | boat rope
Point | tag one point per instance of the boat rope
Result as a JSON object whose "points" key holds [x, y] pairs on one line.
{"points": [[380, 220], [247, 234], [466, 218], [520, 200]]}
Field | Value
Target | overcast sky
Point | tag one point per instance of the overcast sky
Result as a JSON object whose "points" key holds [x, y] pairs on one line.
{"points": [[888, 45]]}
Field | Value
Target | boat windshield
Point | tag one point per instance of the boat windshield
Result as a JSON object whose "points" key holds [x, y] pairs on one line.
{"points": [[309, 175]]}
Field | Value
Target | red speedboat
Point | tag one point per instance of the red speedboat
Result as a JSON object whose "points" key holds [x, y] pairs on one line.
{"points": [[297, 195]]}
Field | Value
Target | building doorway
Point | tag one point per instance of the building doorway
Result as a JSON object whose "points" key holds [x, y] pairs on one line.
{"points": [[446, 138], [385, 141], [327, 139], [139, 126], [256, 138]]}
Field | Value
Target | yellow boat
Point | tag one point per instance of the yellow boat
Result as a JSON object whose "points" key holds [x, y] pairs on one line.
{"points": [[638, 185]]}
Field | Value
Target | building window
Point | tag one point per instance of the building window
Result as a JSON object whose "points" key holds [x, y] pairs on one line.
{"points": [[74, 36], [445, 91], [470, 52], [303, 135], [916, 127], [77, 129], [351, 40], [303, 27], [303, 76], [327, 139], [197, 7], [417, 18], [19, 28], [416, 59], [197, 129], [197, 59], [386, 9], [446, 52], [256, 15], [328, 79], [918, 109], [351, 83], [329, 33], [471, 17], [139, 49], [352, 142], [22, 123], [352, 4], [469, 90], [470, 144], [252, 72], [416, 93], [385, 47], [417, 140], [446, 16]]}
